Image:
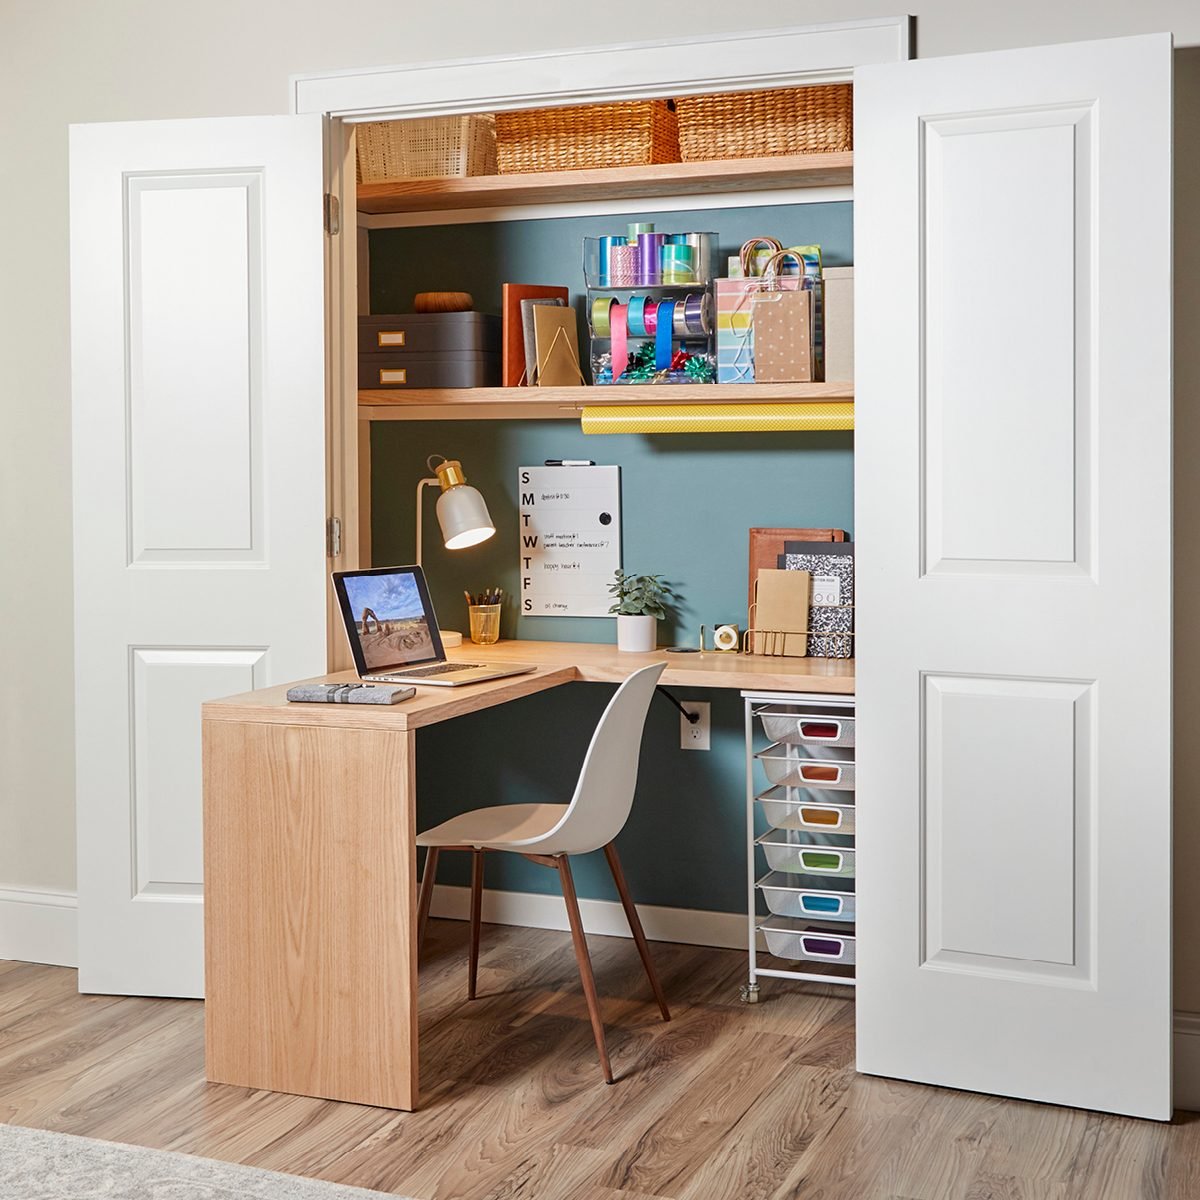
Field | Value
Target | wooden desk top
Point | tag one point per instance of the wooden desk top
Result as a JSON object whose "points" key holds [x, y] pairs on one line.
{"points": [[427, 707], [604, 663], [557, 663]]}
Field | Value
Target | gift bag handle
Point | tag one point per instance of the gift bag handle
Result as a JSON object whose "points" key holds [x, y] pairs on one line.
{"points": [[774, 268], [746, 254]]}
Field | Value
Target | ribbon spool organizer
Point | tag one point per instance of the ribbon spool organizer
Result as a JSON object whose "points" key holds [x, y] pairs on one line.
{"points": [[649, 307]]}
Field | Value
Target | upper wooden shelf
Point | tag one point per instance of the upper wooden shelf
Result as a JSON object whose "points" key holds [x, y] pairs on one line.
{"points": [[613, 183], [448, 404]]}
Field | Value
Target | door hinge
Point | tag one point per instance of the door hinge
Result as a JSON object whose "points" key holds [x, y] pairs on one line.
{"points": [[333, 214], [333, 537]]}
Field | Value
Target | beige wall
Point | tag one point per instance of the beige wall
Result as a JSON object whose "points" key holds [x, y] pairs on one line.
{"points": [[63, 62]]}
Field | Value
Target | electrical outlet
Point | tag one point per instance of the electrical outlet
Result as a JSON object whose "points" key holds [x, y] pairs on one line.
{"points": [[694, 737]]}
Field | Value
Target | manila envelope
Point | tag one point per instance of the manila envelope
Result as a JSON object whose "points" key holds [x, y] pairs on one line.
{"points": [[780, 619], [556, 335]]}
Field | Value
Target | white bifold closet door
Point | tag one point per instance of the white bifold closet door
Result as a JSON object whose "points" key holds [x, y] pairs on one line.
{"points": [[198, 391], [1013, 479]]}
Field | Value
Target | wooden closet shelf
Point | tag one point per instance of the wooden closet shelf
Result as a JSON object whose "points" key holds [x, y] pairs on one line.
{"points": [[611, 183], [500, 403]]}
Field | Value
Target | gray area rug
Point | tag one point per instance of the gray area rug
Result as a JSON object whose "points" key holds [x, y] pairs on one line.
{"points": [[36, 1165]]}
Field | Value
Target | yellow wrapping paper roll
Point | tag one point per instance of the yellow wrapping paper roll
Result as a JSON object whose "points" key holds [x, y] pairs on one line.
{"points": [[716, 418]]}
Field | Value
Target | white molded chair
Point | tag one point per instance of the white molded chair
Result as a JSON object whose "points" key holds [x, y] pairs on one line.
{"points": [[548, 833]]}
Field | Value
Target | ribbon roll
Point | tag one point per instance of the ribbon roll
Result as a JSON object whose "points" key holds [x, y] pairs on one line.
{"points": [[635, 227], [698, 313], [601, 316], [622, 266], [650, 318], [662, 341], [619, 322], [681, 328], [649, 251], [702, 252], [678, 264], [637, 317], [604, 249]]}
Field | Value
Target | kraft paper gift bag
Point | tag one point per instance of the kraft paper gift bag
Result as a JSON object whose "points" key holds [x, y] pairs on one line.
{"points": [[783, 337]]}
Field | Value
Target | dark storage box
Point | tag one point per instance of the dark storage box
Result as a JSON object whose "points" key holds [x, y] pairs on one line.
{"points": [[429, 333], [457, 369]]}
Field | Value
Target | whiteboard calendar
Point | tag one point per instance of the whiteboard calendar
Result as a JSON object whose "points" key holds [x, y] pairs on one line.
{"points": [[570, 529]]}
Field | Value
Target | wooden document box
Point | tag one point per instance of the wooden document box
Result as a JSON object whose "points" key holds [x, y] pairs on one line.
{"points": [[455, 349]]}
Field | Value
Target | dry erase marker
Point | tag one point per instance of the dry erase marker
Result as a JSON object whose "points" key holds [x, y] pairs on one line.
{"points": [[570, 462]]}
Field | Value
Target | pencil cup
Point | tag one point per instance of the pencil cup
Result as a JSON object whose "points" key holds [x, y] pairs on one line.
{"points": [[485, 623]]}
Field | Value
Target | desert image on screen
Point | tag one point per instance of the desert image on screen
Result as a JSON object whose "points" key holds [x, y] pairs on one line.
{"points": [[390, 619]]}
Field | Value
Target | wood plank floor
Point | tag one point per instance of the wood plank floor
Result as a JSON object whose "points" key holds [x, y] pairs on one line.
{"points": [[726, 1102]]}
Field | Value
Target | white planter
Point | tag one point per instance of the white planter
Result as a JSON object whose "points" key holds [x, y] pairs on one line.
{"points": [[637, 634]]}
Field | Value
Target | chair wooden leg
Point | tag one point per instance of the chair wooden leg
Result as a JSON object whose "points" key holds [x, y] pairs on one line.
{"points": [[635, 924], [476, 916], [426, 897], [585, 963]]}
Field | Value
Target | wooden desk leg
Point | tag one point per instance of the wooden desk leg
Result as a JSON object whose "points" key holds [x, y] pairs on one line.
{"points": [[310, 910]]}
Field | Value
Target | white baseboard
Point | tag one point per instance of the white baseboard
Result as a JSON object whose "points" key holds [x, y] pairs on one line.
{"points": [[693, 927], [38, 926], [1186, 1057]]}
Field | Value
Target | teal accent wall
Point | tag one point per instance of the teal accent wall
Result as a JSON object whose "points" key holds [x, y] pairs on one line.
{"points": [[687, 503]]}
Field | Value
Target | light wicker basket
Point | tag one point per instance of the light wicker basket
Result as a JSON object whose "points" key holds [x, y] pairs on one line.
{"points": [[632, 133], [427, 147], [807, 120]]}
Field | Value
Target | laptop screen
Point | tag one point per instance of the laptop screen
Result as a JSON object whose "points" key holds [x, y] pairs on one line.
{"points": [[389, 618]]}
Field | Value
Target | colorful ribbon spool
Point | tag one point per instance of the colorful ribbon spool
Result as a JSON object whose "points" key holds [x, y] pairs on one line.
{"points": [[619, 325], [665, 323], [635, 228], [605, 246], [698, 313], [678, 264], [602, 316], [702, 251], [637, 317], [649, 252], [681, 329], [622, 265]]}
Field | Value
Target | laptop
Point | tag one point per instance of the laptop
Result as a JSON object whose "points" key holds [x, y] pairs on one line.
{"points": [[394, 635]]}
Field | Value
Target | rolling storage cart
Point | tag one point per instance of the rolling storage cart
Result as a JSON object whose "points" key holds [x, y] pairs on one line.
{"points": [[800, 849]]}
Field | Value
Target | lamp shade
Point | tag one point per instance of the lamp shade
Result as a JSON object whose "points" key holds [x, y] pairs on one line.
{"points": [[464, 517]]}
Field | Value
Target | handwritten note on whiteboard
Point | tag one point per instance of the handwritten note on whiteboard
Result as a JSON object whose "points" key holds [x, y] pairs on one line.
{"points": [[570, 520]]}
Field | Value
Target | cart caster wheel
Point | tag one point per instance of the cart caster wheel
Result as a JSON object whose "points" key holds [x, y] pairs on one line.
{"points": [[749, 993]]}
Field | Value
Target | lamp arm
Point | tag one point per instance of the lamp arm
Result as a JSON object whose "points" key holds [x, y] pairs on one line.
{"points": [[422, 484]]}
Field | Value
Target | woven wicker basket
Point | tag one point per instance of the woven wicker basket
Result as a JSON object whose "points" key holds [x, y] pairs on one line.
{"points": [[807, 120], [630, 134], [427, 147]]}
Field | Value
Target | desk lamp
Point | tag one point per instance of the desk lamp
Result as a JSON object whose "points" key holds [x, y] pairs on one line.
{"points": [[461, 512]]}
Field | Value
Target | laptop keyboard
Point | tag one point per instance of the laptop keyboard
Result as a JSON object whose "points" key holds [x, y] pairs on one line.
{"points": [[440, 669]]}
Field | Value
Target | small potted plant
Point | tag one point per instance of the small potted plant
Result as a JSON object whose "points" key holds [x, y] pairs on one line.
{"points": [[640, 601]]}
